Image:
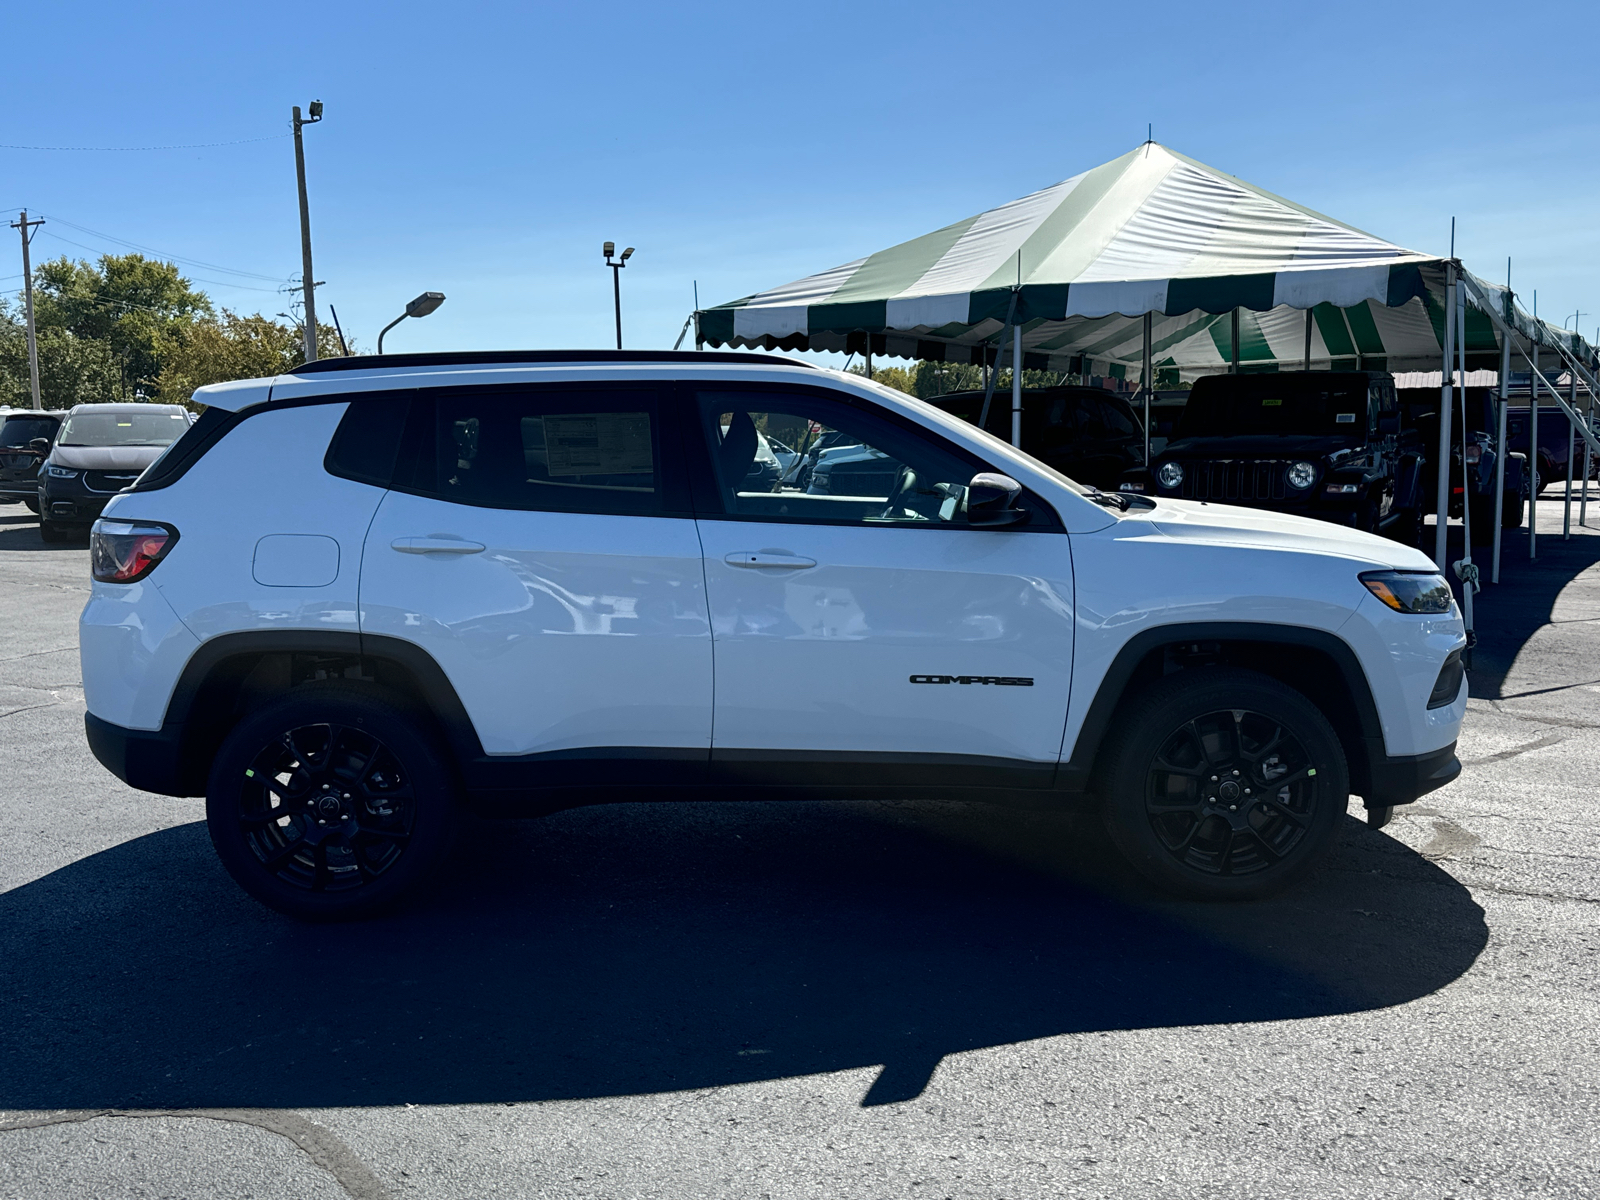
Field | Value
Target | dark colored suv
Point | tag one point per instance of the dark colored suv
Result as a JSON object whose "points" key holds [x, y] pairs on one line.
{"points": [[101, 449], [1088, 434], [1325, 444], [20, 459]]}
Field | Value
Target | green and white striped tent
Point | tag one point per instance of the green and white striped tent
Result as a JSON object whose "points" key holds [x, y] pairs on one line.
{"points": [[1084, 260]]}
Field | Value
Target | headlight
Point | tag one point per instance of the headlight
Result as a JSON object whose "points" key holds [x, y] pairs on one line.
{"points": [[1408, 593], [60, 473], [1302, 475], [1170, 474], [127, 551]]}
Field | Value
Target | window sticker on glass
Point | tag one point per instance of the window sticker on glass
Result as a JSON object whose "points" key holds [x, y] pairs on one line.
{"points": [[598, 444], [1345, 418], [1270, 402]]}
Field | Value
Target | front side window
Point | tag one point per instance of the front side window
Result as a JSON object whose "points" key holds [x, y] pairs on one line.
{"points": [[792, 457], [565, 451]]}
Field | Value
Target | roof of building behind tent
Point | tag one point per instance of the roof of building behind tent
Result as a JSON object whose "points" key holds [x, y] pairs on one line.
{"points": [[1151, 231]]}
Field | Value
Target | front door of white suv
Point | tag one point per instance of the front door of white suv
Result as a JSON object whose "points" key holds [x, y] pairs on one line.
{"points": [[863, 632], [537, 547]]}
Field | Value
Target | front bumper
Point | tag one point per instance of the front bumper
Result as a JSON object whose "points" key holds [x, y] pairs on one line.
{"points": [[69, 502], [1403, 779]]}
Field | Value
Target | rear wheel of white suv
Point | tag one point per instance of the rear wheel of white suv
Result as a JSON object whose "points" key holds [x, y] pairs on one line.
{"points": [[1224, 784], [330, 803]]}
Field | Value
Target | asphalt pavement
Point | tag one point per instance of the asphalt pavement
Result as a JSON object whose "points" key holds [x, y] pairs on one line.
{"points": [[796, 1000]]}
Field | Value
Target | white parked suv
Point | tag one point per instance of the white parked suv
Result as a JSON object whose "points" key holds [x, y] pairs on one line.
{"points": [[359, 597]]}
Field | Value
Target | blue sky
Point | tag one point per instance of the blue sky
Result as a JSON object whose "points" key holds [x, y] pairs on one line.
{"points": [[486, 151]]}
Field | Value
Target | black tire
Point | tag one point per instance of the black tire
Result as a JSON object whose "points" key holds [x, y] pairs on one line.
{"points": [[49, 531], [1405, 527], [33, 505], [1182, 817], [1511, 515], [365, 785]]}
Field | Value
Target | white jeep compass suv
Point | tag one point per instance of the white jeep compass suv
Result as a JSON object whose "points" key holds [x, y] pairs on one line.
{"points": [[359, 597]]}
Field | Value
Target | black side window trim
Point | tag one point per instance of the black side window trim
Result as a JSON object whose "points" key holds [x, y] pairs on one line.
{"points": [[417, 443], [192, 445], [702, 475]]}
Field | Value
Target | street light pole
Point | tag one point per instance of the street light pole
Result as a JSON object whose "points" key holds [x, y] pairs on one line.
{"points": [[608, 250], [420, 307], [307, 278]]}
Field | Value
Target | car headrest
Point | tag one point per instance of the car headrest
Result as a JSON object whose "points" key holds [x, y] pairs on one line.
{"points": [[738, 449]]}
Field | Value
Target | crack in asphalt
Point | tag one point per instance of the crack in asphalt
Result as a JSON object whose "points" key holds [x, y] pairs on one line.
{"points": [[29, 708], [321, 1145], [37, 654]]}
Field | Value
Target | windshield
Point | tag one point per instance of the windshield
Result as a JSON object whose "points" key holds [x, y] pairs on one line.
{"points": [[19, 431], [1223, 406], [123, 428]]}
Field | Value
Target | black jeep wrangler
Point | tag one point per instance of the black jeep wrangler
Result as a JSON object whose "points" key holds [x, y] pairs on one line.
{"points": [[1326, 444]]}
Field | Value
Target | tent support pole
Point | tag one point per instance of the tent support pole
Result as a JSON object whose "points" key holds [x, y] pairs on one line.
{"points": [[1500, 453], [1465, 570], [1016, 386], [1233, 368], [994, 374], [1149, 383], [1446, 405], [1583, 505], [1572, 452], [1533, 454], [1308, 339]]}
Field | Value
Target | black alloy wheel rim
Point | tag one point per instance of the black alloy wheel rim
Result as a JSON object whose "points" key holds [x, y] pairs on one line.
{"points": [[327, 808], [1231, 793]]}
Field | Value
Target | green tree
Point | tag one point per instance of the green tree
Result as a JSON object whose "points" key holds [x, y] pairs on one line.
{"points": [[72, 369], [134, 306], [231, 346]]}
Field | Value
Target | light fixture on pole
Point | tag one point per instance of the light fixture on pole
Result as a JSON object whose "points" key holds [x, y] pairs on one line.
{"points": [[307, 278], [420, 307], [608, 250]]}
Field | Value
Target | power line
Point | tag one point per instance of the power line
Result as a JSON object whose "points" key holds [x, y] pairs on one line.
{"points": [[209, 266], [271, 137], [193, 278]]}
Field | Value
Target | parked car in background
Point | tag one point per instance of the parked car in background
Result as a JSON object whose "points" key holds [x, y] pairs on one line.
{"points": [[1324, 444], [1555, 436], [99, 450], [20, 457], [1420, 409], [1088, 434]]}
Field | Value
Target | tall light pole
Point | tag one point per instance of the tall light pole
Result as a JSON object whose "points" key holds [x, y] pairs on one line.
{"points": [[420, 307], [608, 250], [308, 279]]}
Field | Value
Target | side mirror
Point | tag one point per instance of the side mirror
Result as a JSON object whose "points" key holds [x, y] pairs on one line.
{"points": [[40, 445], [992, 501], [1388, 425]]}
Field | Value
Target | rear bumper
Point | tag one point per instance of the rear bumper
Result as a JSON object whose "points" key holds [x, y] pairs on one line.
{"points": [[148, 759], [1401, 780]]}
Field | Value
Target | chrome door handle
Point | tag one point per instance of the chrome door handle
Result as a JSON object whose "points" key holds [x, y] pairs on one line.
{"points": [[766, 558], [435, 545]]}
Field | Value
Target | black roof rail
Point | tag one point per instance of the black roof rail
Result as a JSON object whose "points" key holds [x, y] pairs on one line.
{"points": [[468, 358]]}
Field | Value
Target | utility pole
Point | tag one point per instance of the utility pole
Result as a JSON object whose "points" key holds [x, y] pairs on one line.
{"points": [[308, 279], [22, 223]]}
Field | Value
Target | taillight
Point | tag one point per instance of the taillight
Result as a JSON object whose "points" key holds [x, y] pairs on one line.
{"points": [[127, 551]]}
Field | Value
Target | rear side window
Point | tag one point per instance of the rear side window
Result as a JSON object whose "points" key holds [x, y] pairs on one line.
{"points": [[555, 450], [368, 438]]}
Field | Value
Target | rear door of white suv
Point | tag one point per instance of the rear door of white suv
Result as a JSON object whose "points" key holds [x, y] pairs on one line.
{"points": [[539, 544], [863, 633]]}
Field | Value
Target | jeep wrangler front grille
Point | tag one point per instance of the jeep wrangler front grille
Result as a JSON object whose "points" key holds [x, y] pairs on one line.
{"points": [[1233, 481]]}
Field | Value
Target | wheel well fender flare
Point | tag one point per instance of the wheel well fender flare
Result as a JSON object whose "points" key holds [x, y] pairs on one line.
{"points": [[226, 669], [1344, 695]]}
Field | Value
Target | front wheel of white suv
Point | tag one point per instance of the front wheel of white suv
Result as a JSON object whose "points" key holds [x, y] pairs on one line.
{"points": [[1224, 784], [330, 803]]}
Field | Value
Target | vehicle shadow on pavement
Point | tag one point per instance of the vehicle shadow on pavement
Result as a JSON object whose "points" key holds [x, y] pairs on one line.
{"points": [[19, 530], [1508, 615], [642, 949]]}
